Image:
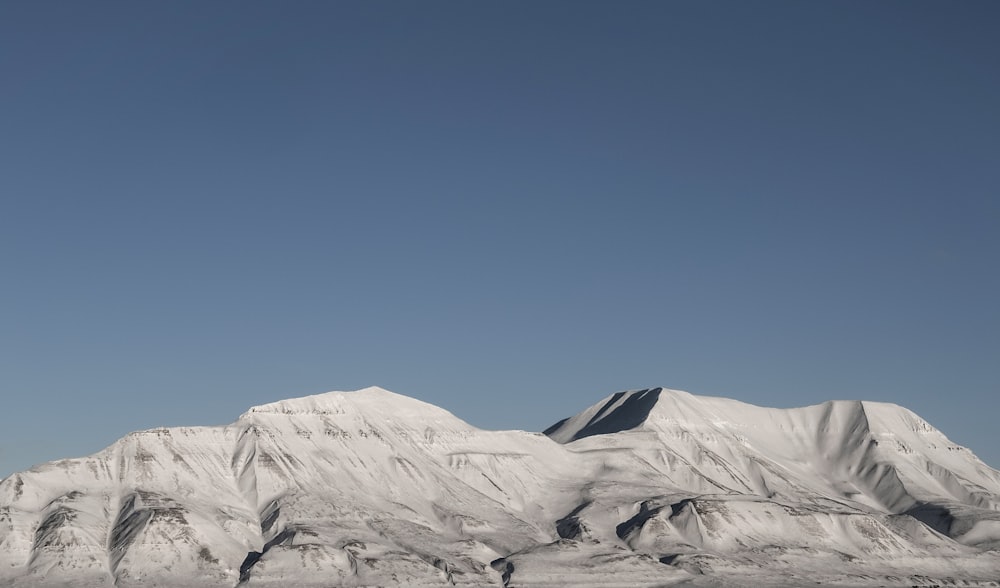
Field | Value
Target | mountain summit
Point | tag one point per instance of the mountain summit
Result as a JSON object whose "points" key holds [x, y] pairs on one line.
{"points": [[650, 487], [371, 404]]}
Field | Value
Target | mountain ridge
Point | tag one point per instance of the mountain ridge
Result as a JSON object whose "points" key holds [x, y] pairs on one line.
{"points": [[646, 487]]}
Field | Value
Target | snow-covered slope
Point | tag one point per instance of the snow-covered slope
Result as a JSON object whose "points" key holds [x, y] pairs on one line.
{"points": [[646, 488]]}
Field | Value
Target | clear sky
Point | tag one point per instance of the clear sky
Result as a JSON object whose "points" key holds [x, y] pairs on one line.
{"points": [[507, 209]]}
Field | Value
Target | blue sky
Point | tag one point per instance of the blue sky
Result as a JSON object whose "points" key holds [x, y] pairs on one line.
{"points": [[506, 209]]}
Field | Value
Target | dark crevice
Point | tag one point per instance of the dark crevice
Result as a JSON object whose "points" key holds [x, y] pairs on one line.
{"points": [[270, 515], [505, 568], [253, 557], [570, 526], [934, 516], [625, 529]]}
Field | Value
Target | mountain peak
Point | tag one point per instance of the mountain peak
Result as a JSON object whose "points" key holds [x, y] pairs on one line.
{"points": [[656, 408], [619, 412], [644, 408], [373, 402]]}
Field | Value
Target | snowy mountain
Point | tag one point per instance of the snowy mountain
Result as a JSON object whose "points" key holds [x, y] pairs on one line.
{"points": [[646, 488]]}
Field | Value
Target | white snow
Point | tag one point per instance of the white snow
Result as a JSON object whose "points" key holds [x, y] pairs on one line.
{"points": [[646, 488]]}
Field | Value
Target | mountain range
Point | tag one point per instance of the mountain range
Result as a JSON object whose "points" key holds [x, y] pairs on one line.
{"points": [[651, 487]]}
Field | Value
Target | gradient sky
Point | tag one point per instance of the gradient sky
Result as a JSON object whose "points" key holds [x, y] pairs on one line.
{"points": [[507, 209]]}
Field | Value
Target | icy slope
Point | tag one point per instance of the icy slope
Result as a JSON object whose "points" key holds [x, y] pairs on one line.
{"points": [[713, 481], [367, 487], [647, 488], [880, 455]]}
